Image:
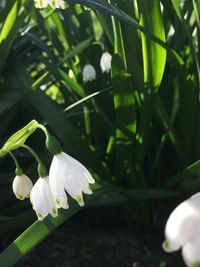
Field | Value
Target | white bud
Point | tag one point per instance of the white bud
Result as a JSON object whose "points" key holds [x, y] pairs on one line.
{"points": [[105, 62], [71, 74], [89, 73], [22, 186]]}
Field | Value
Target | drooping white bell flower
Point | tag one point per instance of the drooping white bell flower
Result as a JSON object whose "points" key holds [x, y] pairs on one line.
{"points": [[89, 73], [53, 3], [180, 226], [41, 3], [2, 3], [22, 186], [191, 251], [42, 199], [68, 174], [105, 62]]}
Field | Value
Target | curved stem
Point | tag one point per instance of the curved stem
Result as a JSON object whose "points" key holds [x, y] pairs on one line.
{"points": [[42, 170], [52, 143], [18, 170], [43, 128], [14, 159], [35, 155]]}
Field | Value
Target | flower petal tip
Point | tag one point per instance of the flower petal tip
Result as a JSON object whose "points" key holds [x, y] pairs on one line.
{"points": [[168, 247], [80, 201], [40, 217]]}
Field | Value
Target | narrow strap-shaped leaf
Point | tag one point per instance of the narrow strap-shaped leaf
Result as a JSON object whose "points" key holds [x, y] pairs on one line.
{"points": [[154, 60], [33, 236], [109, 9], [125, 119], [177, 8], [154, 56]]}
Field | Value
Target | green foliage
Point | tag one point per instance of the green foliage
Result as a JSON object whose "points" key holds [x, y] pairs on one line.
{"points": [[137, 128]]}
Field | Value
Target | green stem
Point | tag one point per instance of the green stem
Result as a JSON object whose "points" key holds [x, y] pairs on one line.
{"points": [[43, 128], [18, 169], [42, 170], [52, 143], [35, 155]]}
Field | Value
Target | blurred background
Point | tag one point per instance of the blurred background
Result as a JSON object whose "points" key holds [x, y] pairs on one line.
{"points": [[136, 128]]}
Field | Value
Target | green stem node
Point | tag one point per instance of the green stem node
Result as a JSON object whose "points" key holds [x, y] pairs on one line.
{"points": [[18, 170], [52, 143]]}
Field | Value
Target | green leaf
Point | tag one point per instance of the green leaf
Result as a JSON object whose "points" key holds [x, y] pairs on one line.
{"points": [[125, 118], [33, 236], [11, 28], [154, 55], [177, 8]]}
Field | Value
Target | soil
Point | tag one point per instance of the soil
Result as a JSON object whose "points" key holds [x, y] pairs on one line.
{"points": [[78, 246]]}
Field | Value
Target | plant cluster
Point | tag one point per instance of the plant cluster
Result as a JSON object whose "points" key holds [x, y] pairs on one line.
{"points": [[117, 83]]}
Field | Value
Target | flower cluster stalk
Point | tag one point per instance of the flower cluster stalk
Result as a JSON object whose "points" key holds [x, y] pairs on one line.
{"points": [[66, 176]]}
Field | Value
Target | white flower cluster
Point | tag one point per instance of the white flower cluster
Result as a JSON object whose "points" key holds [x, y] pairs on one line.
{"points": [[89, 72], [52, 3], [49, 193], [182, 231]]}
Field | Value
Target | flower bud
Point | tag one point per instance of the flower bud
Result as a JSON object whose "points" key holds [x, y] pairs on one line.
{"points": [[22, 186], [105, 62], [89, 73]]}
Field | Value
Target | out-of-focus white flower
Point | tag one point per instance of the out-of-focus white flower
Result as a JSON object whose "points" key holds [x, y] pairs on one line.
{"points": [[105, 62], [71, 74], [68, 174], [191, 251], [22, 186], [89, 73], [41, 3], [182, 230], [42, 199], [2, 3], [52, 3]]}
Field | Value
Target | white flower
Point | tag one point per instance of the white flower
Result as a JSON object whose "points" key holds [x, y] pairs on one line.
{"points": [[52, 3], [22, 186], [2, 3], [41, 3], [182, 230], [105, 62], [191, 251], [89, 73], [68, 174], [42, 199], [71, 74]]}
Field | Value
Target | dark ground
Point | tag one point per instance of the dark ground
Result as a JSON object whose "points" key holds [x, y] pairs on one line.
{"points": [[78, 246], [105, 241]]}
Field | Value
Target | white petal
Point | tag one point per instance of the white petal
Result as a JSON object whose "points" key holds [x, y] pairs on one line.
{"points": [[57, 4], [89, 73], [42, 199], [22, 186], [88, 190], [182, 223], [68, 174], [52, 3], [191, 250], [61, 201], [105, 62], [41, 3]]}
